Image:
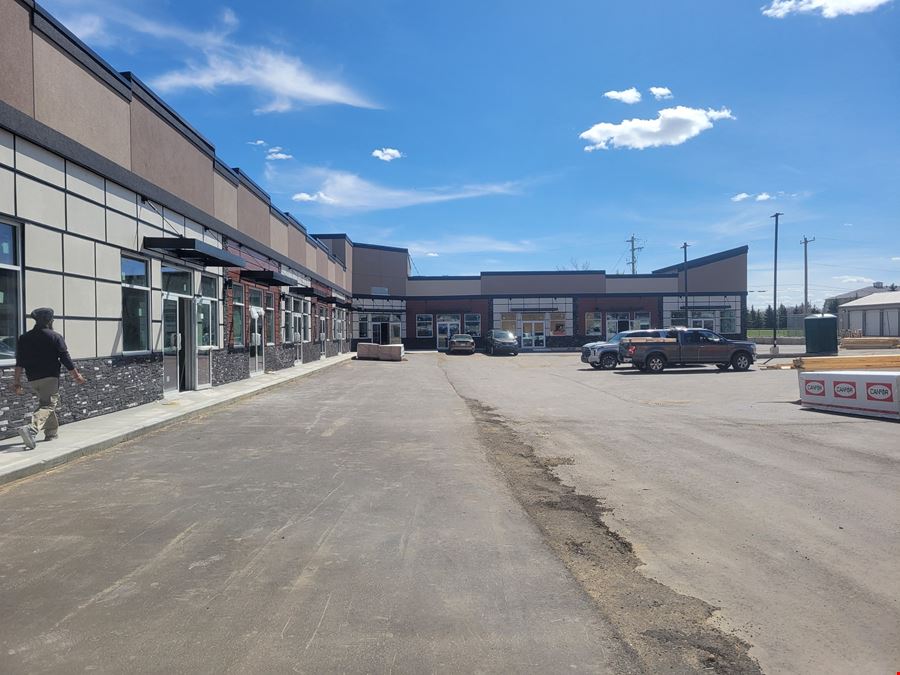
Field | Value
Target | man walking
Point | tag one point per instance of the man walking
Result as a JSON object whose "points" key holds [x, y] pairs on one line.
{"points": [[39, 352]]}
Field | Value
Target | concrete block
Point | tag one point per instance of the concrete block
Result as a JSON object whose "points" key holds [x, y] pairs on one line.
{"points": [[85, 183], [40, 203], [35, 161], [390, 353], [43, 248], [85, 218]]}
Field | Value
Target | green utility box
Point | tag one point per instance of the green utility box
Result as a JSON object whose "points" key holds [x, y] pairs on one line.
{"points": [[821, 334]]}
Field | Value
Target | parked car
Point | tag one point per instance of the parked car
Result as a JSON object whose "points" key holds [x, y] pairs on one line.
{"points": [[501, 342], [688, 346], [605, 355], [461, 342]]}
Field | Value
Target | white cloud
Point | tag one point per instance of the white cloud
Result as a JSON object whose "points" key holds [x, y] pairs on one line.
{"points": [[278, 155], [432, 254], [629, 96], [673, 126], [848, 224], [850, 279], [468, 245], [343, 191], [90, 28], [660, 93], [828, 8], [764, 197], [257, 142], [896, 258], [387, 154], [276, 148], [281, 80], [740, 196]]}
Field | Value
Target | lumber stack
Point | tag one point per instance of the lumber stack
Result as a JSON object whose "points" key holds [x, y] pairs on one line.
{"points": [[824, 363], [871, 343]]}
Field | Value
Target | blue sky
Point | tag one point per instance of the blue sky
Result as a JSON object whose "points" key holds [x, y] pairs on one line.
{"points": [[525, 135]]}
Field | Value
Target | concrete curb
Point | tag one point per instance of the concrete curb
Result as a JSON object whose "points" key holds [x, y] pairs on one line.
{"points": [[102, 444]]}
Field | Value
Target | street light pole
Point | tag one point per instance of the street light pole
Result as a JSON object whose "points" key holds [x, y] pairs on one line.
{"points": [[775, 290], [806, 242], [687, 319]]}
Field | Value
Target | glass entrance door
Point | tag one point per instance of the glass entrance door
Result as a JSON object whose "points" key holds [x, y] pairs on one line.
{"points": [[256, 340], [533, 335], [445, 331], [171, 346]]}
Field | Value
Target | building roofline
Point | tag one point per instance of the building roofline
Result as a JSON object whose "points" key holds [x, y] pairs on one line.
{"points": [[705, 260], [336, 235], [543, 273], [654, 275], [448, 277], [379, 247]]}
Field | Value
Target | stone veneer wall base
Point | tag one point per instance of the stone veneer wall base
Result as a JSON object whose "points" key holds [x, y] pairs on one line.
{"points": [[113, 383]]}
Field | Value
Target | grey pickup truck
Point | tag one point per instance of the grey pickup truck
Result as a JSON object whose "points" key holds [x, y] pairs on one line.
{"points": [[683, 346]]}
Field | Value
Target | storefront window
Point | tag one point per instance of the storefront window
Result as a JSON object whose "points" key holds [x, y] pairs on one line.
{"points": [[10, 271], [135, 305], [270, 318], [593, 323], [363, 332], [307, 320], [237, 315], [424, 325], [208, 313], [177, 281], [642, 320], [558, 323], [473, 325]]}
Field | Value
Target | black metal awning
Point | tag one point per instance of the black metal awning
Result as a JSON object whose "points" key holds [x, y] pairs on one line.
{"points": [[193, 251], [301, 290], [267, 277]]}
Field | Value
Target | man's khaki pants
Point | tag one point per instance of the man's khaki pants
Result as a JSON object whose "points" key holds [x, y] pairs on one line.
{"points": [[47, 390]]}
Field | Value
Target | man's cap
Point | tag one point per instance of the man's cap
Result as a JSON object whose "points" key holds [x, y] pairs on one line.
{"points": [[42, 314]]}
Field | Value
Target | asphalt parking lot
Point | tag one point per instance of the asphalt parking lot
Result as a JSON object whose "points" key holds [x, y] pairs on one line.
{"points": [[785, 519]]}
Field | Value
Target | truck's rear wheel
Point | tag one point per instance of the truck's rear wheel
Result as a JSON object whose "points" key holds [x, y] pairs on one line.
{"points": [[609, 361], [741, 361], [595, 365], [655, 363]]}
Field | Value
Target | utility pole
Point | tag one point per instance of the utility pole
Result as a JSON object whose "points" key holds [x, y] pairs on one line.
{"points": [[775, 289], [687, 315], [805, 243], [634, 250]]}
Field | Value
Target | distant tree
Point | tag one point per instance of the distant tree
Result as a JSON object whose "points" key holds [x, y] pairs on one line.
{"points": [[782, 316], [575, 264], [892, 287], [769, 317], [831, 306]]}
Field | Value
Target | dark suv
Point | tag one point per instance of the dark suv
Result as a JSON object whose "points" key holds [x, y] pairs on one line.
{"points": [[501, 342]]}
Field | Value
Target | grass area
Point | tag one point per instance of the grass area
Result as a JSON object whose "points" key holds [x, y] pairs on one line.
{"points": [[767, 332]]}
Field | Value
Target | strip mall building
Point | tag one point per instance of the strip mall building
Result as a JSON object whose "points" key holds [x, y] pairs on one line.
{"points": [[170, 271]]}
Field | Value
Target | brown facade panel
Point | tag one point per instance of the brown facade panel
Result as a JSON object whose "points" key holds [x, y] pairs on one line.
{"points": [[297, 246], [162, 155], [17, 79], [448, 286], [253, 215], [278, 235], [322, 263], [542, 284], [225, 199], [722, 276], [72, 101], [379, 268]]}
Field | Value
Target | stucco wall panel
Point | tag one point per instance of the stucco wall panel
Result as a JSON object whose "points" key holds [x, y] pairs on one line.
{"points": [[253, 215], [72, 101], [17, 81], [449, 286], [641, 285], [542, 284], [278, 235], [226, 200], [373, 267], [297, 246], [162, 155], [729, 275]]}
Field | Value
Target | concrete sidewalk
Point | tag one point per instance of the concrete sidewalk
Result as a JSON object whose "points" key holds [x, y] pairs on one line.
{"points": [[104, 431]]}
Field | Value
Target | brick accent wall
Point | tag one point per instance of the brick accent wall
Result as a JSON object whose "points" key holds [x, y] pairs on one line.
{"points": [[113, 384]]}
